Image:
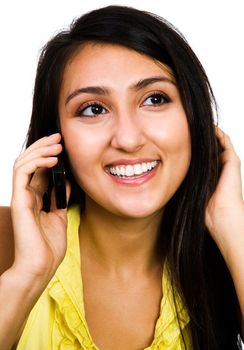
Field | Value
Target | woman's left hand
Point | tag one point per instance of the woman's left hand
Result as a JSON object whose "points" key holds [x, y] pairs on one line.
{"points": [[224, 216], [225, 210]]}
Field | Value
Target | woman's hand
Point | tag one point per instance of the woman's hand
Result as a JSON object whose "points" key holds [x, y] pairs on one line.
{"points": [[224, 215], [40, 237], [225, 208]]}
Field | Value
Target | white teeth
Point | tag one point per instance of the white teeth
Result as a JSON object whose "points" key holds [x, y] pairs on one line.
{"points": [[131, 170], [144, 167], [122, 171], [138, 169], [117, 171]]}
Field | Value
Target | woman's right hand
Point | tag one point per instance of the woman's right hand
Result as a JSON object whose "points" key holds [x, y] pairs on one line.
{"points": [[40, 237]]}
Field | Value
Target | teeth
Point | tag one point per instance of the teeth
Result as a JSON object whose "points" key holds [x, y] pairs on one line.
{"points": [[117, 171], [137, 169], [144, 167], [149, 166], [122, 171], [131, 170]]}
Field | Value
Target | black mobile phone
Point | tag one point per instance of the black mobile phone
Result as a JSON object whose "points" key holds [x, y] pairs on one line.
{"points": [[59, 183]]}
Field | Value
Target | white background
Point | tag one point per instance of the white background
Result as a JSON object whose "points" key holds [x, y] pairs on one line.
{"points": [[214, 29]]}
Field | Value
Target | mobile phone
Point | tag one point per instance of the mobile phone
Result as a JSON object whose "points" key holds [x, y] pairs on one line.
{"points": [[59, 183]]}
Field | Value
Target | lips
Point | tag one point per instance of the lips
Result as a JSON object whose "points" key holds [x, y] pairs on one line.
{"points": [[132, 172]]}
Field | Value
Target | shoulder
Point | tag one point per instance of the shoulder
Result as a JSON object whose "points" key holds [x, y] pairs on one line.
{"points": [[6, 239]]}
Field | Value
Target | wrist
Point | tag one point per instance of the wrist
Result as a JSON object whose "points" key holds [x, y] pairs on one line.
{"points": [[228, 233], [26, 283]]}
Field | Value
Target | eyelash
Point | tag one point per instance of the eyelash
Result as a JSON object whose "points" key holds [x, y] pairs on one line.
{"points": [[80, 110]]}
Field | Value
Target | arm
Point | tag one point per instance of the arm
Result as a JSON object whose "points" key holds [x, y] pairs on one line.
{"points": [[37, 239], [6, 253], [15, 313], [225, 216], [18, 294]]}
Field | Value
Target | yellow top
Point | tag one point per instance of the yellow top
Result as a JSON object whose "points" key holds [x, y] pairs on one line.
{"points": [[57, 321]]}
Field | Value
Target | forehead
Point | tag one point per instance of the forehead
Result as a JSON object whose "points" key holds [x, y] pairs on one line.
{"points": [[101, 63]]}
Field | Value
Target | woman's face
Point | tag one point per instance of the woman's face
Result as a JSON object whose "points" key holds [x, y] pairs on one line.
{"points": [[124, 128]]}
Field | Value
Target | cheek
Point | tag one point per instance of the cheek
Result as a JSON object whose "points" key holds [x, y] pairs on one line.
{"points": [[84, 146], [171, 133], [172, 137]]}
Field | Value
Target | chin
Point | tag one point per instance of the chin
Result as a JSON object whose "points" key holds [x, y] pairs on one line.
{"points": [[126, 208], [136, 212]]}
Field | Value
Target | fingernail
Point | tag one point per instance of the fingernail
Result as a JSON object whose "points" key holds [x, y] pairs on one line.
{"points": [[53, 136]]}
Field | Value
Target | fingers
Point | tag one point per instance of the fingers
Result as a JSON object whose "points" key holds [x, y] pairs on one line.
{"points": [[42, 154], [223, 138], [47, 140], [43, 151], [228, 153]]}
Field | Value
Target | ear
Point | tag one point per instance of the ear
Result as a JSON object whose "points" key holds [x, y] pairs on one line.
{"points": [[6, 239]]}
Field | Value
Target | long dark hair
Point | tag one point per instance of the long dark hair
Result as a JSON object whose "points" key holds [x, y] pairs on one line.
{"points": [[198, 272]]}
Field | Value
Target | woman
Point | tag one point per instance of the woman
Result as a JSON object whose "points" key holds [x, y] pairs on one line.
{"points": [[155, 216]]}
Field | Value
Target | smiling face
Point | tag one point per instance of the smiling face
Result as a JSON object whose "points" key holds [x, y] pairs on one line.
{"points": [[124, 128]]}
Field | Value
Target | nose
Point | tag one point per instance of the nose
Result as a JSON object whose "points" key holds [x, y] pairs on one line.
{"points": [[128, 133]]}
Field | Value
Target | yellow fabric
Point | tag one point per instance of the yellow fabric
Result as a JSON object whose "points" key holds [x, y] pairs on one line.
{"points": [[57, 321]]}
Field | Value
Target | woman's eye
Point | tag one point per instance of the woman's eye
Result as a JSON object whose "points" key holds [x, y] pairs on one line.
{"points": [[91, 110], [156, 99]]}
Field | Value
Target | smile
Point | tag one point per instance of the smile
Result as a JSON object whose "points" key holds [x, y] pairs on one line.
{"points": [[132, 170], [133, 174]]}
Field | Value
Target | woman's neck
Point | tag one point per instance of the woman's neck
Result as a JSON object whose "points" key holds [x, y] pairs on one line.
{"points": [[120, 246]]}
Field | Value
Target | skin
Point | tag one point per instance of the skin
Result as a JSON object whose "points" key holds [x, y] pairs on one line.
{"points": [[119, 228], [120, 224]]}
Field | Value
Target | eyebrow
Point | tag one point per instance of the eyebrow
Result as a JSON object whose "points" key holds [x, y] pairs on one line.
{"points": [[102, 90]]}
